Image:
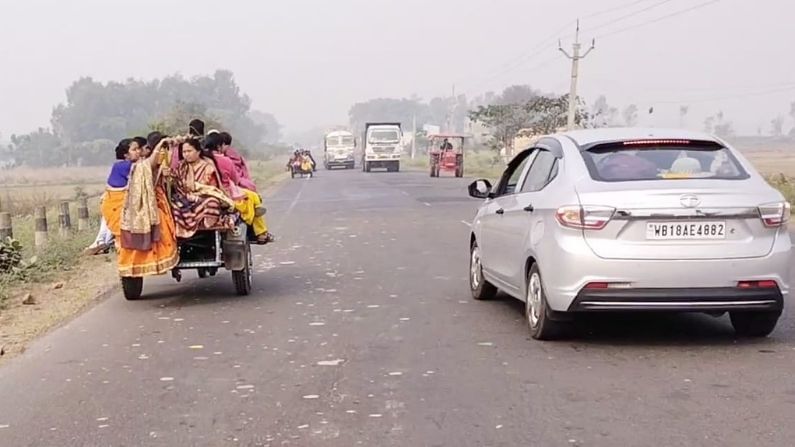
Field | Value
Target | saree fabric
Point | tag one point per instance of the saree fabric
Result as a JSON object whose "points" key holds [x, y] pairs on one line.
{"points": [[162, 256], [197, 201], [140, 223]]}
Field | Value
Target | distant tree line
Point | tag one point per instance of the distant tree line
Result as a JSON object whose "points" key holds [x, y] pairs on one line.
{"points": [[95, 115]]}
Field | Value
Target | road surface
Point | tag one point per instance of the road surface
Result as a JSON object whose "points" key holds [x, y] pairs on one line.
{"points": [[361, 331]]}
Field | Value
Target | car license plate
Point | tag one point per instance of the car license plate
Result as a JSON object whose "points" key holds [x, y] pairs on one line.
{"points": [[685, 230]]}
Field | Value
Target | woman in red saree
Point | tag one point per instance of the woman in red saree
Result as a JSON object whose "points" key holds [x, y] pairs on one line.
{"points": [[197, 201]]}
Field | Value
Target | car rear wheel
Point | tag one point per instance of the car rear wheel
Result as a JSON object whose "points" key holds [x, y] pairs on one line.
{"points": [[481, 289], [754, 324], [537, 311]]}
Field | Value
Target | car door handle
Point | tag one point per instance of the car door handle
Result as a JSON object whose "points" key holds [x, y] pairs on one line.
{"points": [[500, 211], [529, 208]]}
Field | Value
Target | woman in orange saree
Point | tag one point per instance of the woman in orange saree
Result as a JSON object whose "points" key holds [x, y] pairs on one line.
{"points": [[139, 216]]}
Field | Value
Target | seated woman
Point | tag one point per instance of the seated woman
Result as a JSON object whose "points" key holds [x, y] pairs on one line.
{"points": [[241, 167], [139, 216], [197, 201], [247, 202]]}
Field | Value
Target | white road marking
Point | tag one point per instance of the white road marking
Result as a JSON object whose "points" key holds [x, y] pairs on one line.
{"points": [[466, 223], [336, 362], [426, 203], [292, 204]]}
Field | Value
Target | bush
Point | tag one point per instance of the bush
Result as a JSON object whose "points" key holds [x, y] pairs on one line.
{"points": [[10, 254], [784, 184]]}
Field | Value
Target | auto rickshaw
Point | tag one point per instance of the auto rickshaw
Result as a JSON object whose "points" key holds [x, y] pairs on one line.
{"points": [[446, 152]]}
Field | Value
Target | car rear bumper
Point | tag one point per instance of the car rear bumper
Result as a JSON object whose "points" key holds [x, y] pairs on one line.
{"points": [[714, 299], [641, 283]]}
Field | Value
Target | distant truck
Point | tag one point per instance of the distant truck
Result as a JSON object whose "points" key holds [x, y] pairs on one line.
{"points": [[338, 150], [382, 146]]}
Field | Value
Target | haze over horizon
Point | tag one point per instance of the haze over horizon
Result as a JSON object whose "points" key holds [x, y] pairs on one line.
{"points": [[308, 61]]}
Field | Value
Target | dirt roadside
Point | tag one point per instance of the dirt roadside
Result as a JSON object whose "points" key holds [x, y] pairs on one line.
{"points": [[35, 309]]}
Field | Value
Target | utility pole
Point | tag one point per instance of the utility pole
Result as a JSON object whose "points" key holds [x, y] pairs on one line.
{"points": [[414, 136], [575, 66]]}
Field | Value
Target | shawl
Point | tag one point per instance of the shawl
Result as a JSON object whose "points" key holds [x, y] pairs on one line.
{"points": [[140, 223]]}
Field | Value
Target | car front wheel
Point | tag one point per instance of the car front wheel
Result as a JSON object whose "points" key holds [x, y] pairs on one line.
{"points": [[537, 311], [481, 289]]}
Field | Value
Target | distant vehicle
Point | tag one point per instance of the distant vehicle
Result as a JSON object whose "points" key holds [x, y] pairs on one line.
{"points": [[338, 150], [446, 153], [301, 164], [382, 146], [632, 220]]}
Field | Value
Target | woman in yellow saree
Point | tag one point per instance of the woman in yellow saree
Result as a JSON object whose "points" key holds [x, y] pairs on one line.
{"points": [[139, 216]]}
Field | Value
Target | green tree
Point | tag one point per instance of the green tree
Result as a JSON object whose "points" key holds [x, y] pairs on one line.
{"points": [[38, 148], [538, 116]]}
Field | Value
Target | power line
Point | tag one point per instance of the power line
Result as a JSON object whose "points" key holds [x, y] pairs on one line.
{"points": [[658, 19], [630, 15], [538, 48], [615, 8]]}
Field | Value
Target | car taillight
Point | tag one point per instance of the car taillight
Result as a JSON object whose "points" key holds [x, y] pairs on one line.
{"points": [[775, 214], [764, 284], [584, 217]]}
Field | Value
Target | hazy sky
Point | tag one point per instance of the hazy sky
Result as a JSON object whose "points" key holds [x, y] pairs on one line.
{"points": [[307, 61]]}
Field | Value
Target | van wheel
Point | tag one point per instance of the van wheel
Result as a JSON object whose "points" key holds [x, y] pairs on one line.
{"points": [[481, 289], [243, 278], [754, 324], [537, 311], [132, 288]]}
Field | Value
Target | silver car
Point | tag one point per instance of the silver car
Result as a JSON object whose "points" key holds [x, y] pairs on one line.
{"points": [[632, 220]]}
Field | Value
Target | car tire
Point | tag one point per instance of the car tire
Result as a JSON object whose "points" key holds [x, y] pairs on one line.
{"points": [[537, 312], [754, 324], [202, 272], [482, 290]]}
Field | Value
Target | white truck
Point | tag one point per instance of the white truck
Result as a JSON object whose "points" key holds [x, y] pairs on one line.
{"points": [[338, 150], [382, 146]]}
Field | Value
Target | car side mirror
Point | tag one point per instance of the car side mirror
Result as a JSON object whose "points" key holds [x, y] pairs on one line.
{"points": [[480, 189]]}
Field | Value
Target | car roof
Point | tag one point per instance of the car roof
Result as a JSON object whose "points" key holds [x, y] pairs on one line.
{"points": [[589, 137]]}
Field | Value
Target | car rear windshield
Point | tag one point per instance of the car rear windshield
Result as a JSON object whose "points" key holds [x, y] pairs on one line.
{"points": [[624, 162]]}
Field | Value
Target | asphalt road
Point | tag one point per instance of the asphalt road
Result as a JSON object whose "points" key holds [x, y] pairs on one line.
{"points": [[361, 331]]}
